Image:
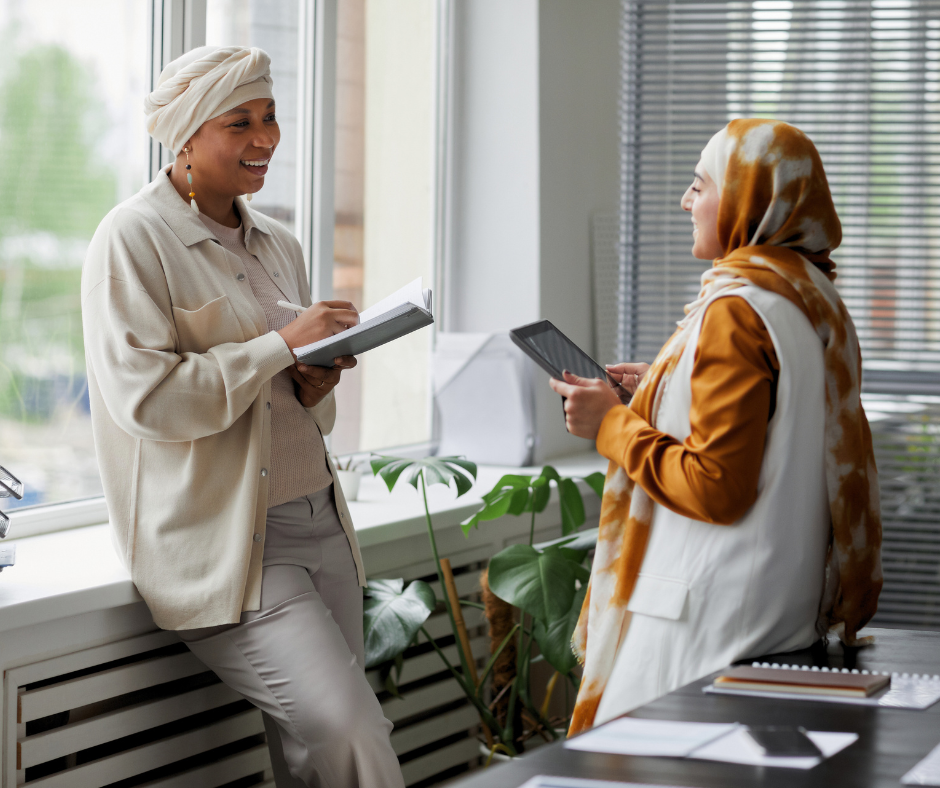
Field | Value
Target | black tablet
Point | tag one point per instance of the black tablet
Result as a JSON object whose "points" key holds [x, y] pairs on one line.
{"points": [[554, 352]]}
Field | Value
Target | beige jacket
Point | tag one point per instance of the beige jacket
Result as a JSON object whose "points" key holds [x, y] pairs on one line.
{"points": [[180, 363]]}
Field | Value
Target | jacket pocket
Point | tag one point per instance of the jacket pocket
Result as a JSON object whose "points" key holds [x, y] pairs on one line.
{"points": [[662, 597], [213, 324]]}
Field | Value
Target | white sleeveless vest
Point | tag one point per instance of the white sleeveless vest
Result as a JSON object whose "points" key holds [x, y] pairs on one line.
{"points": [[708, 595]]}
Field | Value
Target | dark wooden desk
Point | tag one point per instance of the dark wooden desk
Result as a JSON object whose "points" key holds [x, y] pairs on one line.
{"points": [[890, 741]]}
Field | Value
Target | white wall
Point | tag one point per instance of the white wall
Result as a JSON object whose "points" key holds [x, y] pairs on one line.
{"points": [[535, 157], [494, 279]]}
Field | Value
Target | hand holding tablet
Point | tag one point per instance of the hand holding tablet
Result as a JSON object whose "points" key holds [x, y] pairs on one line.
{"points": [[555, 353]]}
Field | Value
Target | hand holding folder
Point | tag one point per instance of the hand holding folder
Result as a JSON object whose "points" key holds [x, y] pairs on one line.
{"points": [[399, 314]]}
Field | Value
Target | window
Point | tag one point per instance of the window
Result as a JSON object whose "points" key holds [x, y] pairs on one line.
{"points": [[72, 127], [72, 80], [862, 79], [273, 27], [384, 231]]}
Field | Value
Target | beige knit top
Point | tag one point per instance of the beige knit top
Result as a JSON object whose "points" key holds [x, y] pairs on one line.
{"points": [[298, 456]]}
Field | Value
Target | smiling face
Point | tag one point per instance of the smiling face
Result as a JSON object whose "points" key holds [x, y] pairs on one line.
{"points": [[701, 199], [230, 154]]}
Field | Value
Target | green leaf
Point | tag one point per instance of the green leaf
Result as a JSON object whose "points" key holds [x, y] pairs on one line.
{"points": [[540, 497], [550, 473], [572, 507], [392, 617], [434, 474], [389, 681], [596, 482], [461, 480], [554, 638], [512, 480], [577, 556], [518, 503], [463, 464], [541, 584], [491, 511], [390, 472], [380, 462], [437, 470], [581, 542]]}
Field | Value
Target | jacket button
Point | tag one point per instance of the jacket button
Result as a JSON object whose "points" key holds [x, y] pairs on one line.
{"points": [[240, 277], [276, 273], [257, 537], [264, 471], [342, 516]]}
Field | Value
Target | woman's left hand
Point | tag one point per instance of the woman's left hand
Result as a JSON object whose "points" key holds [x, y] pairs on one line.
{"points": [[314, 383], [587, 401]]}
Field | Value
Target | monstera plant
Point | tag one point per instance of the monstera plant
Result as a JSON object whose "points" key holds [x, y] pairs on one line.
{"points": [[532, 594]]}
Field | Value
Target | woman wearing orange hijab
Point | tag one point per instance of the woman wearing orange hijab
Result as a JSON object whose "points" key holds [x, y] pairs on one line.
{"points": [[740, 515]]}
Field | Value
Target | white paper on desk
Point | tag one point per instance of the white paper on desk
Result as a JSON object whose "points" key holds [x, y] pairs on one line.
{"points": [[926, 772], [547, 781], [411, 293], [634, 736], [736, 747]]}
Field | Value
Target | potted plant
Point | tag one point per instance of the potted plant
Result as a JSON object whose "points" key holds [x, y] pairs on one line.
{"points": [[349, 472], [532, 597]]}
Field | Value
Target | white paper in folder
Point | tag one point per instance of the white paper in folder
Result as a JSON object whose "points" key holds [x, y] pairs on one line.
{"points": [[411, 293], [404, 311]]}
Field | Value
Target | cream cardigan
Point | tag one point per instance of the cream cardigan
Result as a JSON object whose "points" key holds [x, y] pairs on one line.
{"points": [[179, 364]]}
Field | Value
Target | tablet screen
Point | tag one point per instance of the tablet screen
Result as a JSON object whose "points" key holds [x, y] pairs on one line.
{"points": [[559, 351]]}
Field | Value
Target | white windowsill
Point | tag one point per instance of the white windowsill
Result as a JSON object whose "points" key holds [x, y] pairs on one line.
{"points": [[76, 571]]}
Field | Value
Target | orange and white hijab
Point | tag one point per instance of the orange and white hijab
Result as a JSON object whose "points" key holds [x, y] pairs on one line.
{"points": [[777, 225]]}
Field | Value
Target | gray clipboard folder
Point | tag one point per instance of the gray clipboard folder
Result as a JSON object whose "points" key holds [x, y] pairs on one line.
{"points": [[381, 329]]}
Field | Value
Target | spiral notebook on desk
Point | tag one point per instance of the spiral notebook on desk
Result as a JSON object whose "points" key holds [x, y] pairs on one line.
{"points": [[799, 682], [393, 317]]}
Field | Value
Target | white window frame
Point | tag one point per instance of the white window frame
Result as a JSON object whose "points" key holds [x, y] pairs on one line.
{"points": [[177, 26]]}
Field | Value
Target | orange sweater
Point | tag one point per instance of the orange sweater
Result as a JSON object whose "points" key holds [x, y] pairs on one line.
{"points": [[712, 476]]}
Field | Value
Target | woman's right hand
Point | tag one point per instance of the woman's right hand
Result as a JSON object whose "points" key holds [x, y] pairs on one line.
{"points": [[320, 321], [628, 375]]}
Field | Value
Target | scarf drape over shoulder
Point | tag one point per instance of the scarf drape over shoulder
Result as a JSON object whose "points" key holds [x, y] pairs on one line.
{"points": [[777, 225], [201, 85]]}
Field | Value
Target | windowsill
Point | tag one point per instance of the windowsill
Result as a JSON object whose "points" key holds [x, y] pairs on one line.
{"points": [[76, 571]]}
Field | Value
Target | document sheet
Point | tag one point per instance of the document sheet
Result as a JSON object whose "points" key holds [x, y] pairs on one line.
{"points": [[547, 781], [710, 741], [926, 772], [633, 736]]}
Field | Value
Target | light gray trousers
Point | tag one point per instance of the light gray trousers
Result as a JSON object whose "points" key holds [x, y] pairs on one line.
{"points": [[300, 657]]}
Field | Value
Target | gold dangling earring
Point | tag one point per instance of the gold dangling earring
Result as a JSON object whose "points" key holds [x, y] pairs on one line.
{"points": [[189, 178]]}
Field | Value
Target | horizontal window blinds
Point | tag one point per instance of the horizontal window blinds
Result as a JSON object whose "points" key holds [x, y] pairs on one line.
{"points": [[862, 79]]}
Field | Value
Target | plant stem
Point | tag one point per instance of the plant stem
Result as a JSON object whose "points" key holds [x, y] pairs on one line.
{"points": [[521, 658], [548, 693], [486, 716], [494, 657], [532, 528], [463, 638], [440, 577]]}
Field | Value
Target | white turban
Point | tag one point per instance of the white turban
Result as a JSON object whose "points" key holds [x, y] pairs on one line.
{"points": [[201, 85]]}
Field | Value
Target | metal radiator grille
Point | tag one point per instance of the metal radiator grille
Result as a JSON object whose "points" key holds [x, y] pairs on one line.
{"points": [[140, 712], [145, 712]]}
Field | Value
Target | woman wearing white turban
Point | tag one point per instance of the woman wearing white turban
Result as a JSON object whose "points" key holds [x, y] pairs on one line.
{"points": [[209, 432]]}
